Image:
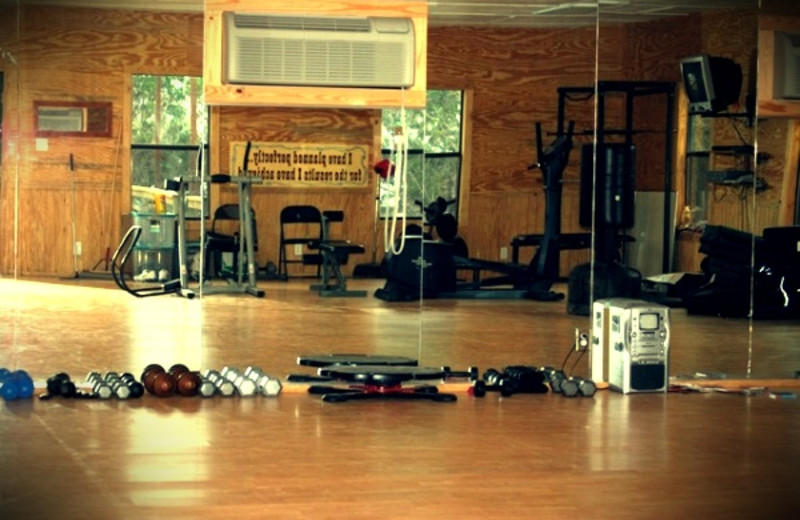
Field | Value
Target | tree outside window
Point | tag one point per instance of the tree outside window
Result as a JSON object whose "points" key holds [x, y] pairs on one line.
{"points": [[434, 157]]}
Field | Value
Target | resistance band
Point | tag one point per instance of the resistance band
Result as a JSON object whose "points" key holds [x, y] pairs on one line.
{"points": [[398, 151]]}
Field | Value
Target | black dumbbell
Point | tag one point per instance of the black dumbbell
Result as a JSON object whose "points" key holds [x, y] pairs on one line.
{"points": [[471, 373], [492, 376], [494, 381], [59, 385], [569, 386], [526, 379], [478, 388], [135, 387], [554, 377], [585, 387]]}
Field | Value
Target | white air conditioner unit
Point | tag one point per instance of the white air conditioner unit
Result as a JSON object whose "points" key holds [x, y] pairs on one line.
{"points": [[61, 119], [265, 49]]}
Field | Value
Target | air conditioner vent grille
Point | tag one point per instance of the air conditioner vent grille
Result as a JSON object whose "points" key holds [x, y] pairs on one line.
{"points": [[301, 23], [318, 63], [380, 57]]}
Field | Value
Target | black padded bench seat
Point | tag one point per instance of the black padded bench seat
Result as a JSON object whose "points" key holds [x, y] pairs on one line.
{"points": [[335, 254], [338, 247], [565, 241]]}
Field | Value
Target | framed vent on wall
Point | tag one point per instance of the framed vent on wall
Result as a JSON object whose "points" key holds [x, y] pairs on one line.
{"points": [[316, 53], [787, 65]]}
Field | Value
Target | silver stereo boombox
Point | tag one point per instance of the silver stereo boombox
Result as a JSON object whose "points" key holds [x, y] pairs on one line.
{"points": [[630, 345]]}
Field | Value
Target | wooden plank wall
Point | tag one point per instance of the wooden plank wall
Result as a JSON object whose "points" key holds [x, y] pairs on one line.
{"points": [[512, 75], [335, 126], [73, 54], [9, 49]]}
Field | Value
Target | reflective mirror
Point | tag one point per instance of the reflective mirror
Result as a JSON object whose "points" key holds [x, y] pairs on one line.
{"points": [[774, 194], [519, 189], [10, 59], [507, 89], [10, 65], [691, 191], [718, 143]]}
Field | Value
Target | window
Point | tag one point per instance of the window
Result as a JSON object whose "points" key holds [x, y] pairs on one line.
{"points": [[169, 121], [434, 150]]}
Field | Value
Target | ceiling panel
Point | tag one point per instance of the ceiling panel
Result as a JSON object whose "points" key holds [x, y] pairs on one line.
{"points": [[541, 13]]}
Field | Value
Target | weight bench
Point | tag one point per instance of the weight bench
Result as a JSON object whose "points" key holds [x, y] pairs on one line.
{"points": [[335, 254]]}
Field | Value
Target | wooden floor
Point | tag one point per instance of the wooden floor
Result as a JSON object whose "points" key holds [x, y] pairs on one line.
{"points": [[643, 456]]}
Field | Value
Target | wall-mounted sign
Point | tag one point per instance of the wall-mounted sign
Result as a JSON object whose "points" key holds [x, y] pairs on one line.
{"points": [[303, 165]]}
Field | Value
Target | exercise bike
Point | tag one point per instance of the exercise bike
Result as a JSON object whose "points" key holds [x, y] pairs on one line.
{"points": [[444, 224]]}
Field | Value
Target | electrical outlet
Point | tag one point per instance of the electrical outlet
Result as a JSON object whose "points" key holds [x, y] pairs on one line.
{"points": [[298, 249], [78, 248], [581, 340], [504, 253]]}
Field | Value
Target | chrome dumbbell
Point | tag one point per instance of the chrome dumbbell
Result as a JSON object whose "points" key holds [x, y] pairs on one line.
{"points": [[265, 384], [119, 388], [244, 386], [99, 387], [224, 387], [206, 388]]}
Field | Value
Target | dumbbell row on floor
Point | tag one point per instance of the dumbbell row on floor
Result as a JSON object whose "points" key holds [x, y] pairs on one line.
{"points": [[112, 384], [252, 381], [15, 384], [226, 382], [97, 386], [177, 380], [512, 380], [528, 379], [157, 381], [571, 386], [230, 381]]}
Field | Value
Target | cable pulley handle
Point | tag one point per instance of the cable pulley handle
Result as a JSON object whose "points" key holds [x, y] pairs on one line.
{"points": [[246, 161]]}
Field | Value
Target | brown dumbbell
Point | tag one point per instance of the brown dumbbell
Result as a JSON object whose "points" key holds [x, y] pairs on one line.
{"points": [[177, 369], [188, 383], [148, 373], [157, 381], [162, 384]]}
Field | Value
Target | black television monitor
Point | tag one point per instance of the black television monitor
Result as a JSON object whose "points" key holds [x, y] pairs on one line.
{"points": [[712, 83]]}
